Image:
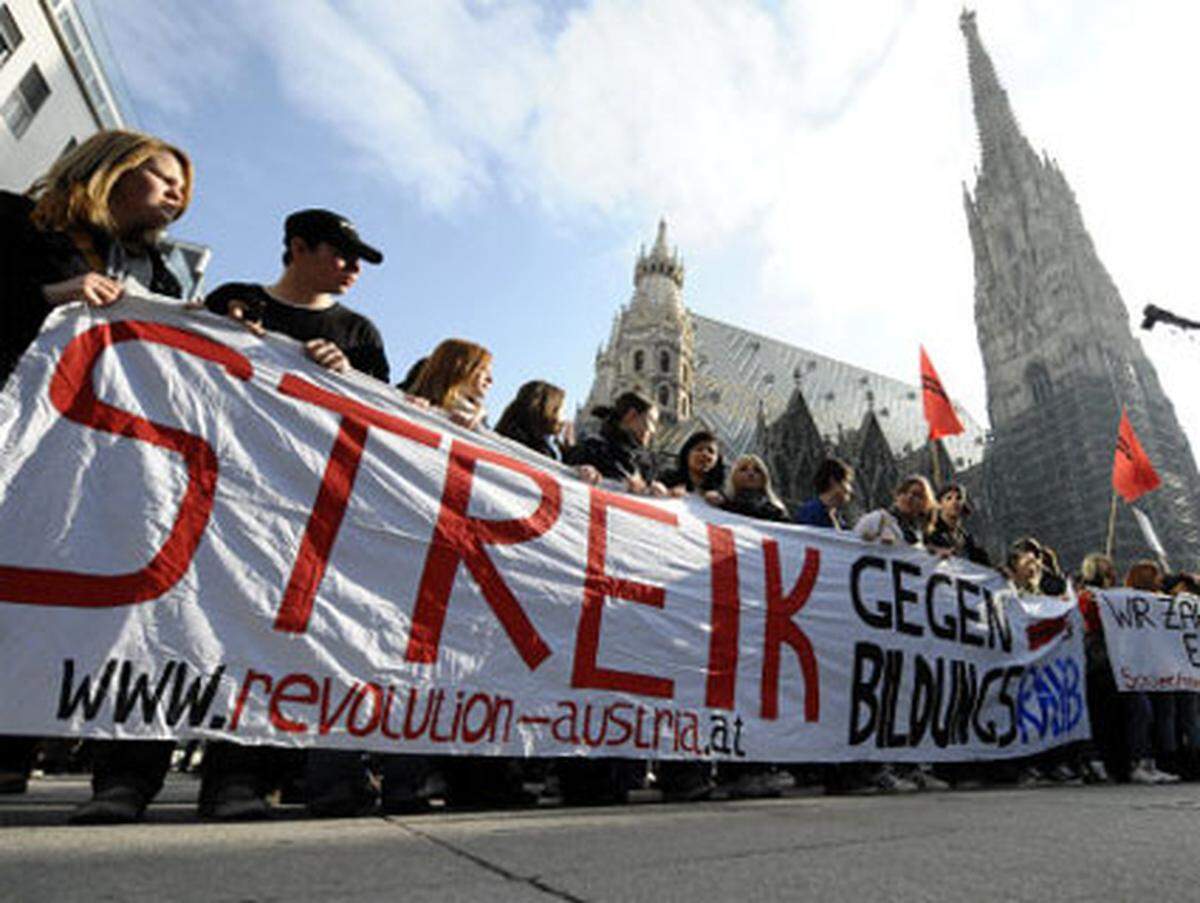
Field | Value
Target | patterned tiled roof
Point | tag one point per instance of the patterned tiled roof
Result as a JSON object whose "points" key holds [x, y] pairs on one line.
{"points": [[736, 370]]}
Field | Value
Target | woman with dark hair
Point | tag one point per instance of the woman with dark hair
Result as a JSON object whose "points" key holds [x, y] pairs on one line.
{"points": [[617, 452], [906, 522], [698, 466], [535, 417], [949, 534]]}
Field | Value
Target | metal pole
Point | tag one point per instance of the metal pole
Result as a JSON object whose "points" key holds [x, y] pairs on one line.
{"points": [[1112, 526]]}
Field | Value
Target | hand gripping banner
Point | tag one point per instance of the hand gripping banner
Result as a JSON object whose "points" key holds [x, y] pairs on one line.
{"points": [[204, 535]]}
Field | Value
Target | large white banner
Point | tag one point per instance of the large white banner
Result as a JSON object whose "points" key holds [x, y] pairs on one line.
{"points": [[201, 534], [1153, 641]]}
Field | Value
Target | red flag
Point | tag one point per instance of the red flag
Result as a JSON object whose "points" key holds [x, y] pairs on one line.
{"points": [[938, 410], [1133, 474]]}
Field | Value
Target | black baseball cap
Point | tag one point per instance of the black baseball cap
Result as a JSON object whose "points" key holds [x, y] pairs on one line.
{"points": [[318, 225]]}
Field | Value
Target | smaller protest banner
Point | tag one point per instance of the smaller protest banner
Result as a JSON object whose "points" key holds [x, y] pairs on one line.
{"points": [[1153, 640]]}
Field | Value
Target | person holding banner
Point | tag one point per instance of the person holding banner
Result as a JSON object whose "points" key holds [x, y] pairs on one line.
{"points": [[618, 453], [907, 522], [834, 487], [699, 466], [456, 379], [949, 534], [1151, 715], [535, 419], [1109, 744], [748, 491], [94, 217], [321, 262]]}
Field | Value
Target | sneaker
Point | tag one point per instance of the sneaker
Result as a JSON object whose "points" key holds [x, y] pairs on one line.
{"points": [[1164, 777], [927, 780], [887, 781], [235, 801], [1062, 774], [1030, 777], [1144, 772], [1094, 772], [756, 785], [120, 804]]}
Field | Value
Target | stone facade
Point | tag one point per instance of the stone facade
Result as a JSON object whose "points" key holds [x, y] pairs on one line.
{"points": [[1059, 356], [651, 346]]}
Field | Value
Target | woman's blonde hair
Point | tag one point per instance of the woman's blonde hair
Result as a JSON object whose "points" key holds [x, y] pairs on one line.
{"points": [[914, 479], [448, 370], [74, 192], [730, 491]]}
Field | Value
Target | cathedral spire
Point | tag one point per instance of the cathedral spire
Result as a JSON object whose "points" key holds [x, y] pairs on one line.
{"points": [[1001, 144], [660, 261]]}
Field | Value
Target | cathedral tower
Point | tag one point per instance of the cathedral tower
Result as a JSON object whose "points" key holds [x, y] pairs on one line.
{"points": [[1059, 356], [651, 346]]}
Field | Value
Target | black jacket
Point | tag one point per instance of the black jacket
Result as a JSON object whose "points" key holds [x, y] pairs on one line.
{"points": [[540, 444], [958, 540], [612, 452], [755, 504], [30, 259]]}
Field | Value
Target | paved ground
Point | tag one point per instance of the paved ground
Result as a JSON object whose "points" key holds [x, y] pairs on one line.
{"points": [[1046, 844]]}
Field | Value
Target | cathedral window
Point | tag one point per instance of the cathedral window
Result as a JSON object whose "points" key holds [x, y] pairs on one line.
{"points": [[664, 396], [1039, 382], [639, 361], [664, 362]]}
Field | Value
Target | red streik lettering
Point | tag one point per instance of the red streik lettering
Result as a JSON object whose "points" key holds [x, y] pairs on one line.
{"points": [[244, 693], [460, 537], [334, 494], [726, 614], [307, 696], [73, 393], [598, 585], [782, 629]]}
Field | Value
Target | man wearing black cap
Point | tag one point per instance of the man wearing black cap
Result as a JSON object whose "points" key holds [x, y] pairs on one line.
{"points": [[321, 262]]}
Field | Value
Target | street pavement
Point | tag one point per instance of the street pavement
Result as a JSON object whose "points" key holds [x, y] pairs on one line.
{"points": [[1043, 844]]}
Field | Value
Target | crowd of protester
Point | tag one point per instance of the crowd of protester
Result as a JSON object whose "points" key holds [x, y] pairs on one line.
{"points": [[91, 225]]}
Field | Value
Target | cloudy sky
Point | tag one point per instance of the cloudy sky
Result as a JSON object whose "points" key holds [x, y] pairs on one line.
{"points": [[509, 156]]}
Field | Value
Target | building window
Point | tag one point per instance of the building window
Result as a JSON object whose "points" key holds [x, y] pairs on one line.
{"points": [[24, 102], [10, 35], [1039, 382], [639, 360], [664, 362], [664, 396]]}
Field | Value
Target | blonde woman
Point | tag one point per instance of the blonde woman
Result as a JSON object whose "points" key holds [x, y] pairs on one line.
{"points": [[97, 214], [94, 218], [456, 378], [748, 491]]}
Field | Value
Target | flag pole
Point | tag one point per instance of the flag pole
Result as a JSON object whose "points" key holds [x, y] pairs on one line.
{"points": [[937, 465], [1112, 526]]}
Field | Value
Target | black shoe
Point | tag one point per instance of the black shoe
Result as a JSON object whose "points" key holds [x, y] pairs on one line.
{"points": [[120, 804], [13, 782], [344, 800], [235, 801]]}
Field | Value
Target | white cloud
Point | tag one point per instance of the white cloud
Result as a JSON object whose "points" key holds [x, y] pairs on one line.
{"points": [[835, 135]]}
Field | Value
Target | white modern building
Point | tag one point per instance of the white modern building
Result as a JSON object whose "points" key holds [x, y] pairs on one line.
{"points": [[53, 89]]}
